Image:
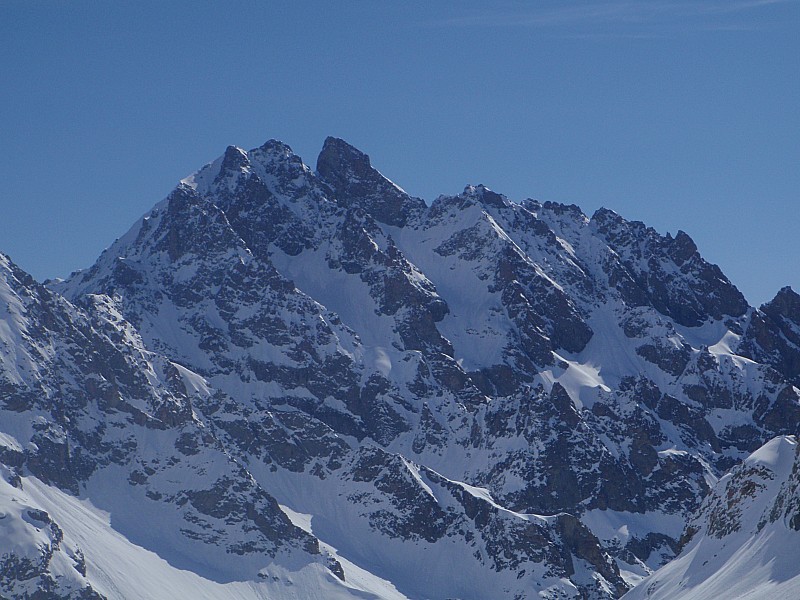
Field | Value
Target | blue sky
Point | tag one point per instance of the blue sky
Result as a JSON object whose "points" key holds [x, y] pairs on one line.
{"points": [[681, 114]]}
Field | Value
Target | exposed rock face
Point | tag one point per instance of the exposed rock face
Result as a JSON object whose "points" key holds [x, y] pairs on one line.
{"points": [[86, 405], [773, 335], [36, 564], [742, 541], [665, 273], [355, 183], [502, 386]]}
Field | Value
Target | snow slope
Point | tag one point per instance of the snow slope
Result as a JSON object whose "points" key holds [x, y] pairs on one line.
{"points": [[91, 553], [746, 537]]}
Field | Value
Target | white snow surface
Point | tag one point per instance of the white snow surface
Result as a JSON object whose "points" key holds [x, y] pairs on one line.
{"points": [[122, 570], [757, 562]]}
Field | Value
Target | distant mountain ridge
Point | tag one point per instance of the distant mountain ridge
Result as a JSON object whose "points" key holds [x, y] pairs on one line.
{"points": [[311, 384]]}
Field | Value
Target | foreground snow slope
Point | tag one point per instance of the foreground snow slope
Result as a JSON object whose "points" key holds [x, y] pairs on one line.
{"points": [[75, 543], [745, 538]]}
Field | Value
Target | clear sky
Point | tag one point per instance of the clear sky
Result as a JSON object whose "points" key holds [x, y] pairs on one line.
{"points": [[682, 114]]}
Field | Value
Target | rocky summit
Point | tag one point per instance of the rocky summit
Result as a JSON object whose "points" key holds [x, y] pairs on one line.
{"points": [[285, 383]]}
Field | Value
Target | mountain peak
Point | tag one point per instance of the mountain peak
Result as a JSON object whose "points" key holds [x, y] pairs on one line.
{"points": [[353, 181], [786, 303], [234, 158], [682, 247], [339, 159], [276, 147], [275, 152], [605, 216], [557, 208], [12, 274], [485, 196]]}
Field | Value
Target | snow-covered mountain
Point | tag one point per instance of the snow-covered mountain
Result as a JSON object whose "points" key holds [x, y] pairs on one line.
{"points": [[291, 383], [744, 539]]}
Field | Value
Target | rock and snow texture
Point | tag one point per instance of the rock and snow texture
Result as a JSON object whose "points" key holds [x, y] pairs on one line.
{"points": [[310, 383], [744, 540], [62, 546]]}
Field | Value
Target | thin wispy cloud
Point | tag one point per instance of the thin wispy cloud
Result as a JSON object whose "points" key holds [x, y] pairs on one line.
{"points": [[631, 18]]}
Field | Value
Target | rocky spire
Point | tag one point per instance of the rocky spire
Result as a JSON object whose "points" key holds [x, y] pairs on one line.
{"points": [[354, 182], [786, 304]]}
